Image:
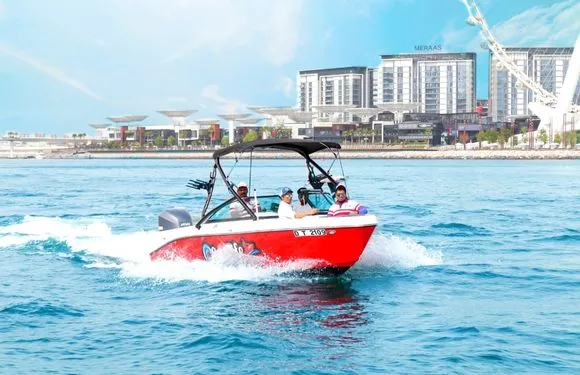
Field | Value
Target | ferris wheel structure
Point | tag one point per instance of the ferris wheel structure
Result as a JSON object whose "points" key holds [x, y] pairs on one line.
{"points": [[554, 110]]}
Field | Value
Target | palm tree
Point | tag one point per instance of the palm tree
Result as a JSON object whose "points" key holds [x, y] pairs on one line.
{"points": [[558, 138], [480, 137], [369, 133], [572, 137], [350, 133], [524, 132], [158, 142], [543, 136]]}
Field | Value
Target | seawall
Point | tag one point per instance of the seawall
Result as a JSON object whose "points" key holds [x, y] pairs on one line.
{"points": [[541, 154]]}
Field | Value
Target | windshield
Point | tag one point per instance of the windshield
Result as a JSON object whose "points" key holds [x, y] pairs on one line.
{"points": [[267, 207]]}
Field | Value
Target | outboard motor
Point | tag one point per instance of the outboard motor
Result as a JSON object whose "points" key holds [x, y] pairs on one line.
{"points": [[174, 218]]}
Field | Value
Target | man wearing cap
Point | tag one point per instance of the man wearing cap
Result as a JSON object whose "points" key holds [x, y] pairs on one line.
{"points": [[236, 208], [285, 210], [344, 206]]}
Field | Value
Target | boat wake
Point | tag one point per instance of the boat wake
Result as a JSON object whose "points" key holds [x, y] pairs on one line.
{"points": [[93, 241], [389, 251]]}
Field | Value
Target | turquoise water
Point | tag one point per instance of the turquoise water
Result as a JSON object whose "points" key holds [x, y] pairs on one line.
{"points": [[475, 267]]}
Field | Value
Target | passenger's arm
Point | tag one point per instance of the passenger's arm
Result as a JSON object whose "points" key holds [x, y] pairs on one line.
{"points": [[310, 212]]}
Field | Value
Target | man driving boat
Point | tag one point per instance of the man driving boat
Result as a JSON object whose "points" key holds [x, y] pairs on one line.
{"points": [[236, 208], [344, 206]]}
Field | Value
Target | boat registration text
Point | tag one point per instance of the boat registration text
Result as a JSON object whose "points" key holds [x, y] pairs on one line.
{"points": [[309, 232]]}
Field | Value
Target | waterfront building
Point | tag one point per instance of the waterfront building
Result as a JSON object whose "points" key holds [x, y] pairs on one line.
{"points": [[343, 87], [546, 66], [205, 132], [440, 82]]}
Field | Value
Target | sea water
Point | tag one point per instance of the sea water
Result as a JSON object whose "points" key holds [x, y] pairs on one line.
{"points": [[474, 267]]}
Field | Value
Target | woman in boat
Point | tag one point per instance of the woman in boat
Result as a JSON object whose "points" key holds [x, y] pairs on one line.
{"points": [[302, 205]]}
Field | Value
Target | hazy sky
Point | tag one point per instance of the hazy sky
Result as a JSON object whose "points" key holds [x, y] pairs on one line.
{"points": [[67, 63]]}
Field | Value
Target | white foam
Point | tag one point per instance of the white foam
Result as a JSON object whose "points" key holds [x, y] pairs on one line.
{"points": [[226, 264], [129, 252], [389, 251], [13, 241], [56, 227], [88, 235]]}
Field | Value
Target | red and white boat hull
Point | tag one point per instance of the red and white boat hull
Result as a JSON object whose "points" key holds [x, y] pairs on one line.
{"points": [[335, 243]]}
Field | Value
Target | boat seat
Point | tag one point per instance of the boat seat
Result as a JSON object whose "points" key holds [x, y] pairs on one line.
{"points": [[274, 207]]}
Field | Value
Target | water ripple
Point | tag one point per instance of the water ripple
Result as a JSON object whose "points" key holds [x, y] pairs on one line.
{"points": [[459, 230], [41, 308]]}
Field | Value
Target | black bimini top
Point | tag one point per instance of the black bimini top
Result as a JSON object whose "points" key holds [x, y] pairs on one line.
{"points": [[304, 147]]}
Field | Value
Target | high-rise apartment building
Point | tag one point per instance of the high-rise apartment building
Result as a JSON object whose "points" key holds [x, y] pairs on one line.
{"points": [[441, 82], [336, 86], [546, 66]]}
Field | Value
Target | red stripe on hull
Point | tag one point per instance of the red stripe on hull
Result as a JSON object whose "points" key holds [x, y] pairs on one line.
{"points": [[337, 247]]}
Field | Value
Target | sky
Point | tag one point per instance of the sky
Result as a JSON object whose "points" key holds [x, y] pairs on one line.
{"points": [[65, 64]]}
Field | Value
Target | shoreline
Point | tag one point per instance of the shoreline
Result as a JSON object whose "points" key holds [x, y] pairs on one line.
{"points": [[541, 154]]}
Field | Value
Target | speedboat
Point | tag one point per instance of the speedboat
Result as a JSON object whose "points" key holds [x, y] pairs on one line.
{"points": [[331, 244]]}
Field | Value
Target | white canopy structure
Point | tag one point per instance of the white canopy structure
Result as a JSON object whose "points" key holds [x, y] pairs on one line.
{"points": [[232, 118], [274, 111], [127, 119], [178, 117], [335, 112], [277, 115], [365, 113], [303, 117], [251, 121], [207, 121], [100, 126]]}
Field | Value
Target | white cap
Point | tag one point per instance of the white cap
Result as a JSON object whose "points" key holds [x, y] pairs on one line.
{"points": [[242, 184]]}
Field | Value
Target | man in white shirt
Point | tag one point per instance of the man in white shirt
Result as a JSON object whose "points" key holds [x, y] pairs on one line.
{"points": [[236, 208], [285, 210]]}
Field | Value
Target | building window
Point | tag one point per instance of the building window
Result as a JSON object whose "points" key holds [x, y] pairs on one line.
{"points": [[388, 88], [450, 89], [400, 84], [303, 96], [548, 74], [514, 96], [356, 92], [432, 85], [501, 94], [461, 82], [329, 92]]}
